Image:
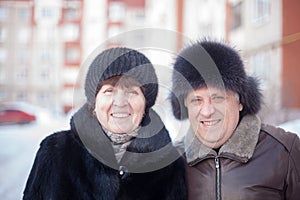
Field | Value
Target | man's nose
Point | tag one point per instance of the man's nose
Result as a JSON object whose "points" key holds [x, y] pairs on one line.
{"points": [[207, 109]]}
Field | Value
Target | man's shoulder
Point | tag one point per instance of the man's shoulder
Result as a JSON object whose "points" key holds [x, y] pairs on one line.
{"points": [[287, 139]]}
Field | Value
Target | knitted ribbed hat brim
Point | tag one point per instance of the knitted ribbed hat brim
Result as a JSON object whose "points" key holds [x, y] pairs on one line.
{"points": [[121, 61]]}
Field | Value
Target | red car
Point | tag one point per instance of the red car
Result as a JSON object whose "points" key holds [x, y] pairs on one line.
{"points": [[15, 116]]}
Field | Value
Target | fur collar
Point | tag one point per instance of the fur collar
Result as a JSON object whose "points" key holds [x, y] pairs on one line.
{"points": [[239, 147], [151, 150]]}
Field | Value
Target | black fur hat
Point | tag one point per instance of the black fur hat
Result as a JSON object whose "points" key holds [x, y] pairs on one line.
{"points": [[121, 61], [215, 64]]}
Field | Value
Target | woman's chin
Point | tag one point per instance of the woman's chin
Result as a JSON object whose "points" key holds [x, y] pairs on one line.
{"points": [[121, 129]]}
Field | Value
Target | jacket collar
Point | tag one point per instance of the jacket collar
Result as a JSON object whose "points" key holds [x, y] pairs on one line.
{"points": [[239, 147], [150, 150]]}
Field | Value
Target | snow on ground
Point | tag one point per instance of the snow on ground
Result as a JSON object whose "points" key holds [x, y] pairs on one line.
{"points": [[18, 146], [292, 126]]}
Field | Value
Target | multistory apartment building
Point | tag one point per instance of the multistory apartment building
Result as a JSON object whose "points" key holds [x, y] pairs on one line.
{"points": [[40, 51], [16, 38], [204, 18], [70, 25], [290, 54], [43, 43], [123, 16], [267, 33]]}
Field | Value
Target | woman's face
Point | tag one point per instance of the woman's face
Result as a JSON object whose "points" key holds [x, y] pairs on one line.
{"points": [[119, 108]]}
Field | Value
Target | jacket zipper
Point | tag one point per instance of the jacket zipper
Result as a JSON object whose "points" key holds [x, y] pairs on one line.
{"points": [[218, 186], [218, 172]]}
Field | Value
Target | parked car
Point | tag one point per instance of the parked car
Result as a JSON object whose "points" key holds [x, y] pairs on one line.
{"points": [[292, 126], [15, 116], [17, 113]]}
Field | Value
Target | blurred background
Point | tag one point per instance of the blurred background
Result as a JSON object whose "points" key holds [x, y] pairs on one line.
{"points": [[44, 43]]}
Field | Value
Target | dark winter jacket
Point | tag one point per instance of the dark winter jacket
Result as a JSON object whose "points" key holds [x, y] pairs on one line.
{"points": [[258, 162], [80, 164]]}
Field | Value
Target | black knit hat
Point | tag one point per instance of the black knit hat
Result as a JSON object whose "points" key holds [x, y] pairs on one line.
{"points": [[120, 61], [214, 64]]}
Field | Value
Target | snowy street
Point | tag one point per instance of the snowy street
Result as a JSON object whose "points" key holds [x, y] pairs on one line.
{"points": [[18, 146]]}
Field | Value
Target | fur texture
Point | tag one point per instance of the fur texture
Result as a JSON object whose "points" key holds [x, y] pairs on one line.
{"points": [[64, 168], [210, 63], [240, 146]]}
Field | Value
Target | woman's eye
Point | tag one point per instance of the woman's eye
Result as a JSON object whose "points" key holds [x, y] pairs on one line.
{"points": [[108, 91], [218, 99], [132, 92]]}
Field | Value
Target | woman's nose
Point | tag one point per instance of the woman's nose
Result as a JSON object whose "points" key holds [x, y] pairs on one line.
{"points": [[120, 98], [207, 109]]}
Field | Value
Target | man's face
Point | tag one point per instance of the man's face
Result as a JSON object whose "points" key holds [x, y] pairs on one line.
{"points": [[213, 114]]}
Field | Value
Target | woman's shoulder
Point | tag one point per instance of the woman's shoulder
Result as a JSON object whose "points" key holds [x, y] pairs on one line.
{"points": [[58, 140], [59, 147]]}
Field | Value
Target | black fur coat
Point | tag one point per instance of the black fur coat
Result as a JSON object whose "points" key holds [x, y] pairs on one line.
{"points": [[80, 164]]}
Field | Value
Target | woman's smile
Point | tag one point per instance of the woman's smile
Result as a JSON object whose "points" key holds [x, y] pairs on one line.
{"points": [[120, 115]]}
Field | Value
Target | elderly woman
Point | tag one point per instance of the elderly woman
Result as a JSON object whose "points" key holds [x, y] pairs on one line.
{"points": [[117, 146]]}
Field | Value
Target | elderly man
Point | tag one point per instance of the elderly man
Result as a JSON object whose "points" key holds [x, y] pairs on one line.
{"points": [[229, 153]]}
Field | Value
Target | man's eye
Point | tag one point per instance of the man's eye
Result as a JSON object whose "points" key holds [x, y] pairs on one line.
{"points": [[195, 100]]}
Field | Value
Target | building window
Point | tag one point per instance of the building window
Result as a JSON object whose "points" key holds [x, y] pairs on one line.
{"points": [[21, 96], [3, 55], [47, 13], [46, 55], [2, 94], [2, 75], [43, 97], [71, 32], [72, 54], [44, 36], [116, 11], [24, 14], [22, 76], [260, 66], [261, 10], [72, 12], [70, 75], [3, 34], [206, 28], [67, 96], [44, 74], [24, 35], [23, 56], [236, 16], [114, 30], [3, 14]]}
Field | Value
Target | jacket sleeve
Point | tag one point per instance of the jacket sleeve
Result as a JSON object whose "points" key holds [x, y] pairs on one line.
{"points": [[293, 176], [40, 174]]}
